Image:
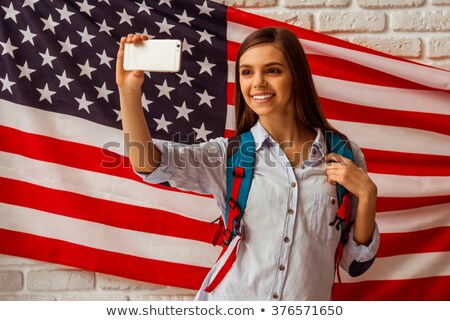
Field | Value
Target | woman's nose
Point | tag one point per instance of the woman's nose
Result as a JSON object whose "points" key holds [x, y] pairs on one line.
{"points": [[259, 81]]}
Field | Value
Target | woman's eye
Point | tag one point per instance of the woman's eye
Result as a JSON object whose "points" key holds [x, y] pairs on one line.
{"points": [[245, 72], [273, 71]]}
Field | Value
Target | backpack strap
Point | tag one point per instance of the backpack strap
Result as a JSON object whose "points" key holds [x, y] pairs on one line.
{"points": [[240, 168], [341, 146]]}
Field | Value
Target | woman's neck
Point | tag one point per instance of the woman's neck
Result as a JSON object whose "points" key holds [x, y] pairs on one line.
{"points": [[287, 130]]}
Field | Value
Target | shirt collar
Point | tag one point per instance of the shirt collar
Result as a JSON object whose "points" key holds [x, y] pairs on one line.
{"points": [[261, 137]]}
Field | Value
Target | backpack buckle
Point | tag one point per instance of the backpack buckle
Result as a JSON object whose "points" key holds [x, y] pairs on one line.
{"points": [[227, 237], [232, 203], [336, 222]]}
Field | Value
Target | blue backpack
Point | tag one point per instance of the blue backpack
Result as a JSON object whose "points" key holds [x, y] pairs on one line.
{"points": [[240, 168]]}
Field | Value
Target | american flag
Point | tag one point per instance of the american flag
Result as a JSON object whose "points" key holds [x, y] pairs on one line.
{"points": [[68, 193]]}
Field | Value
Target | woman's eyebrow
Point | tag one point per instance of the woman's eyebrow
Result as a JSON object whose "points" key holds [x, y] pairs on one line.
{"points": [[275, 63]]}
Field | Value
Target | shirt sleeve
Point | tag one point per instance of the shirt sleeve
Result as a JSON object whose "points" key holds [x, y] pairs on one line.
{"points": [[357, 259], [199, 168]]}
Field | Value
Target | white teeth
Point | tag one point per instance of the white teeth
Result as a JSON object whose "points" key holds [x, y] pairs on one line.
{"points": [[261, 97]]}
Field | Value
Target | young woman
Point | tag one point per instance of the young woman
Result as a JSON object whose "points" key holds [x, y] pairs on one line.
{"points": [[288, 252]]}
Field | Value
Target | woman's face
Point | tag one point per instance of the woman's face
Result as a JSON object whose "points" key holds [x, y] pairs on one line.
{"points": [[266, 81]]}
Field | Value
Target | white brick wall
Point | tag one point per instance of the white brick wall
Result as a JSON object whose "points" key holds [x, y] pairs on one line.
{"points": [[415, 29]]}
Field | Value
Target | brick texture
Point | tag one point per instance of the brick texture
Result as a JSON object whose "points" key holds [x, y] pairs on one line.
{"points": [[439, 47], [315, 3], [296, 18], [60, 280], [389, 3], [351, 21], [421, 20], [440, 2], [11, 280], [401, 47], [109, 282]]}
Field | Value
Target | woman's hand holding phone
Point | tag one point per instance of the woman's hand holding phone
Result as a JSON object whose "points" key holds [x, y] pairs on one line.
{"points": [[132, 79]]}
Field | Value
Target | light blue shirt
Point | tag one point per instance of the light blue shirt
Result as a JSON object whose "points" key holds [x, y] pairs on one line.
{"points": [[288, 248]]}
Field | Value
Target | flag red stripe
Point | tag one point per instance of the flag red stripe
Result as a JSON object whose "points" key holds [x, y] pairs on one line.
{"points": [[398, 163], [430, 240], [341, 69], [104, 211], [426, 289], [128, 266], [388, 204], [52, 150], [372, 115]]}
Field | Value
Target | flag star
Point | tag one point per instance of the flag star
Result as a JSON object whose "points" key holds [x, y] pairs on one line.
{"points": [[164, 89], [143, 7], [25, 71], [204, 35], [183, 111], [184, 18], [46, 93], [64, 80], [47, 58], [10, 12], [206, 66], [145, 32], [204, 9], [104, 59], [30, 3], [205, 98], [186, 46], [8, 48], [7, 84], [184, 78], [162, 123], [164, 26], [104, 27], [85, 7], [86, 69], [125, 17], [145, 102], [119, 114], [28, 35], [65, 14], [83, 103], [165, 2], [85, 36], [67, 46], [49, 24], [202, 133], [103, 92]]}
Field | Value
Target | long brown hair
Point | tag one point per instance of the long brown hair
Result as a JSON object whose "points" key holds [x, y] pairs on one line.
{"points": [[308, 110]]}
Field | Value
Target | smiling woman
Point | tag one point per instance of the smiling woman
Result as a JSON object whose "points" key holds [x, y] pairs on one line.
{"points": [[289, 248]]}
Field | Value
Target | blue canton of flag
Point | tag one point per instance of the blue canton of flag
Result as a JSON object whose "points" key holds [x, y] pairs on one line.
{"points": [[60, 56]]}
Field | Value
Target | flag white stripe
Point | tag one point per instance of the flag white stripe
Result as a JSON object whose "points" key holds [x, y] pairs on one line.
{"points": [[383, 97], [106, 187], [402, 267], [104, 237], [230, 122], [396, 139], [423, 75], [77, 130], [424, 101], [416, 219], [411, 186], [64, 127]]}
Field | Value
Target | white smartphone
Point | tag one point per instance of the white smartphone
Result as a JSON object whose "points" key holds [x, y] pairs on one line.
{"points": [[160, 55]]}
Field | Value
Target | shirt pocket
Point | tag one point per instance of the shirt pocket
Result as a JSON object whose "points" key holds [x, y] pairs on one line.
{"points": [[322, 213]]}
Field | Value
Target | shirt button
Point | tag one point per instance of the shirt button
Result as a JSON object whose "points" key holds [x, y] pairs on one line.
{"points": [[302, 166], [281, 267], [290, 211], [275, 296], [332, 201], [293, 184], [286, 239]]}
